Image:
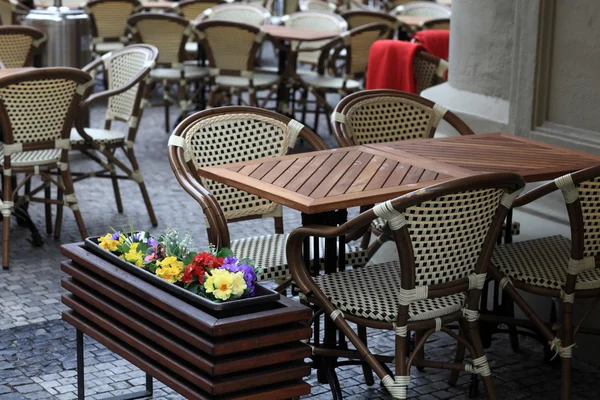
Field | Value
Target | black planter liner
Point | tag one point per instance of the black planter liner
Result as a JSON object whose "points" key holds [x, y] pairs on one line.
{"points": [[262, 295]]}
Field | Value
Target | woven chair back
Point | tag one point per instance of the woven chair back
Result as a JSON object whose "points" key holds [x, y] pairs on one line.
{"points": [[122, 68], [381, 116], [168, 33], [192, 9], [358, 18], [316, 5], [423, 9], [313, 20], [429, 70], [231, 47], [18, 45], [438, 23], [250, 14], [358, 42], [109, 18], [236, 134], [38, 105], [7, 12]]}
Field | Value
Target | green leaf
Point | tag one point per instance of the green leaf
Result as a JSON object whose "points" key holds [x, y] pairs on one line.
{"points": [[225, 252], [152, 268], [193, 287], [246, 261], [189, 258]]}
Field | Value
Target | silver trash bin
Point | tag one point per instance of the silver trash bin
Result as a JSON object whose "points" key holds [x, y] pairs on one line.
{"points": [[69, 36]]}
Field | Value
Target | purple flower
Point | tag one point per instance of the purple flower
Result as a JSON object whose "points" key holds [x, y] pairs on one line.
{"points": [[116, 235], [152, 242], [137, 237], [231, 265]]}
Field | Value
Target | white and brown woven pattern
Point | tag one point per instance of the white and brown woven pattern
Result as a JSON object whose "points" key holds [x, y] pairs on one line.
{"points": [[268, 252], [373, 292], [589, 196], [31, 158], [165, 35], [110, 17], [424, 73], [192, 10], [47, 101], [423, 9], [386, 119], [542, 262], [231, 47], [233, 138], [360, 44], [14, 49], [244, 13], [7, 8], [106, 137], [122, 69], [360, 19], [447, 234]]}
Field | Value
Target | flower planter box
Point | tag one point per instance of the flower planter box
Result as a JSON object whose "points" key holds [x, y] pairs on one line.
{"points": [[250, 352]]}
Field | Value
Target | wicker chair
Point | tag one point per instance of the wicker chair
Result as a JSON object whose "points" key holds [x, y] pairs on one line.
{"points": [[213, 137], [19, 45], [169, 34], [126, 70], [38, 107], [437, 23], [557, 267], [231, 49], [251, 14], [444, 235], [108, 19], [356, 18], [422, 9], [355, 44], [11, 11], [317, 5], [192, 9]]}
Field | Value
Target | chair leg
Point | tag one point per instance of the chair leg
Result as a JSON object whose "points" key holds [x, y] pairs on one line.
{"points": [[278, 224], [6, 222], [59, 209], [167, 103], [135, 167], [115, 184], [472, 333], [458, 358], [367, 371], [48, 207], [70, 191], [566, 362], [421, 352]]}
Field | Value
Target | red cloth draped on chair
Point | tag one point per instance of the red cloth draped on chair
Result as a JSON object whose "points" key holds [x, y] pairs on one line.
{"points": [[391, 65], [434, 41]]}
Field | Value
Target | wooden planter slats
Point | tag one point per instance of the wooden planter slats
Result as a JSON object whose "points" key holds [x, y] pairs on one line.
{"points": [[253, 355]]}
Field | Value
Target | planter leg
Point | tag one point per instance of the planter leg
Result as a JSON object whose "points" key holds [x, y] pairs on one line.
{"points": [[80, 372]]}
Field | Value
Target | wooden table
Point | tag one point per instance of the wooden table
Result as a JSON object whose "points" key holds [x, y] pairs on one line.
{"points": [[412, 21], [288, 33], [251, 354]]}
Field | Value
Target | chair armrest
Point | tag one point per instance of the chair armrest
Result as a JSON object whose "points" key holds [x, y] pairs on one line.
{"points": [[535, 194], [325, 55], [313, 140], [92, 66]]}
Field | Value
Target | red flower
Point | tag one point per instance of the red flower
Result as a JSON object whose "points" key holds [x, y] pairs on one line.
{"points": [[208, 260], [192, 270], [201, 263]]}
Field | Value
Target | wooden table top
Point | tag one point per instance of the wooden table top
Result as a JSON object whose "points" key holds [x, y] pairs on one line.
{"points": [[289, 33], [8, 71], [332, 179], [497, 152], [412, 20]]}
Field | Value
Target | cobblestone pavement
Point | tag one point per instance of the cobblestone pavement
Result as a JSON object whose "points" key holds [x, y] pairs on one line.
{"points": [[37, 350]]}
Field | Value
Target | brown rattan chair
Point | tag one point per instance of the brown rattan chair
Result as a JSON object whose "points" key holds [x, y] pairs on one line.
{"points": [[438, 23], [192, 9], [317, 5], [429, 70], [444, 235], [557, 267], [108, 20], [422, 9], [169, 34], [126, 70], [231, 48], [11, 12], [37, 108], [356, 18], [355, 44], [19, 45], [251, 14], [213, 137]]}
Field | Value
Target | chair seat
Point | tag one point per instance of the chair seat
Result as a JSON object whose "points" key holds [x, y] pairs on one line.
{"points": [[107, 47], [329, 82], [543, 263], [191, 47], [172, 74], [31, 158], [99, 135], [373, 292], [260, 79], [379, 223], [268, 252]]}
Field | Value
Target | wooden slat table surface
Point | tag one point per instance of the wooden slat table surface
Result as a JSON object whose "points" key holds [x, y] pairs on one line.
{"points": [[497, 152], [289, 33], [332, 179]]}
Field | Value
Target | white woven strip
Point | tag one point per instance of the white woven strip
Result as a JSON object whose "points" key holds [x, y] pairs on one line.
{"points": [[36, 169], [385, 210], [129, 144], [567, 298], [137, 176], [81, 89], [8, 172], [188, 30], [214, 71], [408, 296], [200, 35], [294, 128], [284, 19], [481, 366], [62, 166], [470, 315], [338, 117], [13, 148], [441, 69], [559, 350], [133, 122], [62, 144], [401, 330], [438, 324], [150, 64], [38, 42], [346, 37], [177, 65], [335, 314], [106, 56], [6, 208], [71, 198], [177, 141], [398, 387], [207, 12], [567, 187], [477, 281], [577, 266], [260, 36], [508, 199], [505, 281], [124, 39], [438, 114], [98, 40]]}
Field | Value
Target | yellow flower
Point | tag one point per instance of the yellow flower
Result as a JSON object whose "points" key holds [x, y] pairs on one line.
{"points": [[170, 269], [223, 284], [107, 243], [134, 256]]}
